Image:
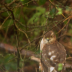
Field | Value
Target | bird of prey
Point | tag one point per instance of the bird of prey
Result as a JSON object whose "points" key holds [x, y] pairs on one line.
{"points": [[53, 54]]}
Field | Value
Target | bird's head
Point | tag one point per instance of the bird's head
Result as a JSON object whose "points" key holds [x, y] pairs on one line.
{"points": [[49, 37]]}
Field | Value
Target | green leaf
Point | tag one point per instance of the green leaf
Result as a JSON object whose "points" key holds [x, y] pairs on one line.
{"points": [[8, 57], [22, 20], [24, 1], [16, 12], [8, 23], [39, 16], [41, 2], [60, 66], [59, 11], [11, 66], [7, 66], [52, 12], [43, 21], [34, 18], [41, 10]]}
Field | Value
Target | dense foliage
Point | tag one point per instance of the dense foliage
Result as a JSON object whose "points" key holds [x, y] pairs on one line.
{"points": [[22, 24]]}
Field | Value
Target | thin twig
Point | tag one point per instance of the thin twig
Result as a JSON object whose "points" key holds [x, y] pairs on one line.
{"points": [[68, 18], [40, 36], [24, 33], [56, 7], [18, 54]]}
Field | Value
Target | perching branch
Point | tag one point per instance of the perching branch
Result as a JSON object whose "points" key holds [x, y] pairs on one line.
{"points": [[28, 54]]}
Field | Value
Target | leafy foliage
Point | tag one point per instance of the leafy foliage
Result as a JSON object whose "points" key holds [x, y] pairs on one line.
{"points": [[8, 62], [32, 17], [39, 16]]}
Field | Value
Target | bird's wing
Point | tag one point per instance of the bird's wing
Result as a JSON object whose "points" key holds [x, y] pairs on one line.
{"points": [[52, 55]]}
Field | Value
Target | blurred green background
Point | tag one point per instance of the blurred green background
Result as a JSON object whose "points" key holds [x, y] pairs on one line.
{"points": [[32, 18]]}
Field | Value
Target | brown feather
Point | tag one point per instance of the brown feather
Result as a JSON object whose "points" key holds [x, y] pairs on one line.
{"points": [[52, 54]]}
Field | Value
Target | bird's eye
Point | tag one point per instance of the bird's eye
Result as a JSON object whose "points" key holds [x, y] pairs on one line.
{"points": [[51, 36]]}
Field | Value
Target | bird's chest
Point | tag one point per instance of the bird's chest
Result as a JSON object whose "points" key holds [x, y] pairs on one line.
{"points": [[53, 52]]}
